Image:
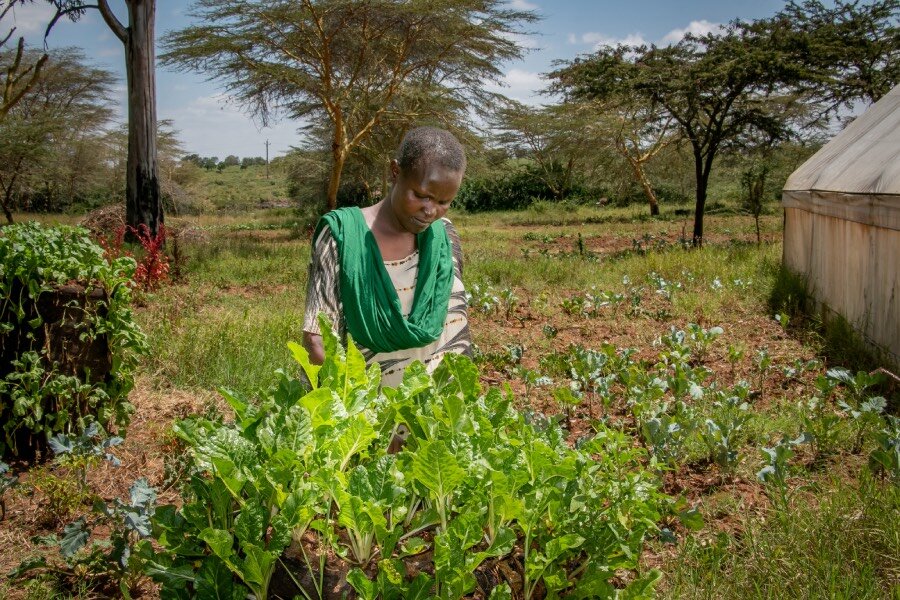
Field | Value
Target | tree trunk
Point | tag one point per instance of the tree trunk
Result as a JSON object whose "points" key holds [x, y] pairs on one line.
{"points": [[6, 212], [143, 205], [639, 174], [338, 157], [702, 182], [7, 199]]}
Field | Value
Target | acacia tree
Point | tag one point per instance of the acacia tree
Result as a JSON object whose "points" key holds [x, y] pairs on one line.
{"points": [[346, 61], [19, 77], [850, 49], [717, 88], [43, 137], [641, 131], [555, 136], [143, 205]]}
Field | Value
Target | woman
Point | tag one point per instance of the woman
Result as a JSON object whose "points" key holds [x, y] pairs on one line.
{"points": [[390, 275]]}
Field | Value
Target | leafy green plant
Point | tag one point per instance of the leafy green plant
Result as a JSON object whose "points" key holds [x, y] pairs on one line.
{"points": [[80, 452], [114, 561], [482, 298], [668, 433], [7, 482], [735, 355], [701, 339], [885, 458], [722, 428], [510, 301], [475, 480], [821, 425], [48, 386], [762, 361], [863, 411], [775, 473]]}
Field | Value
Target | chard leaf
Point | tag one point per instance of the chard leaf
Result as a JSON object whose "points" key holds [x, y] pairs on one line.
{"points": [[242, 408], [258, 566], [356, 374], [501, 592], [295, 430], [221, 543], [450, 567], [391, 574], [384, 480], [324, 406], [435, 467], [214, 581], [359, 515], [364, 586], [250, 524], [458, 372], [419, 588], [353, 436], [413, 546], [288, 392], [332, 370], [503, 545], [161, 568], [641, 588], [302, 357], [415, 380]]}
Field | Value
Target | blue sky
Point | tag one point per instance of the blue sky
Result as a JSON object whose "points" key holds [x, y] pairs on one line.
{"points": [[212, 126]]}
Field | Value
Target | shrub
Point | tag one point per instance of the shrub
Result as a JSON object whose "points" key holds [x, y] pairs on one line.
{"points": [[68, 344], [508, 192]]}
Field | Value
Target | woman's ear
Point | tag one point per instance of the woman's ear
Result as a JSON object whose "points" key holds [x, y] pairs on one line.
{"points": [[395, 170]]}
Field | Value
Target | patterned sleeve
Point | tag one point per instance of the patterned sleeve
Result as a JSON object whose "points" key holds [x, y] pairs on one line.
{"points": [[323, 287], [456, 243]]}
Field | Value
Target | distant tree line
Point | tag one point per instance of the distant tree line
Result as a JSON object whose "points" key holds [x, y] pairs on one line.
{"points": [[212, 162]]}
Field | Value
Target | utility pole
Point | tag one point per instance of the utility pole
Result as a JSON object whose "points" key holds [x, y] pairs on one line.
{"points": [[267, 159]]}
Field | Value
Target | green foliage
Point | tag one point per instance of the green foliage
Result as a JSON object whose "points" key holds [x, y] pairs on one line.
{"points": [[512, 191], [42, 397], [113, 562], [313, 461], [885, 458]]}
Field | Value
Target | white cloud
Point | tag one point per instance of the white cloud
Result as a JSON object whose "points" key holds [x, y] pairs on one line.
{"points": [[523, 5], [31, 18], [598, 40], [520, 85], [701, 27]]}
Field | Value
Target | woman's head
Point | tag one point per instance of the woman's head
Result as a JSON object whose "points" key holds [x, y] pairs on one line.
{"points": [[436, 146], [426, 176]]}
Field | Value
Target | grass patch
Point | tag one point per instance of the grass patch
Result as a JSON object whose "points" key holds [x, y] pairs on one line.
{"points": [[224, 340], [840, 542]]}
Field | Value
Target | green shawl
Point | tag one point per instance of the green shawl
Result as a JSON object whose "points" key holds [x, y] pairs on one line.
{"points": [[371, 306]]}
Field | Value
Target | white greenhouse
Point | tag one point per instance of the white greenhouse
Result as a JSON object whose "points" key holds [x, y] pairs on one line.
{"points": [[842, 224]]}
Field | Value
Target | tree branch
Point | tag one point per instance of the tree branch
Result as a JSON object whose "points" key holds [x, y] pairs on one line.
{"points": [[114, 24], [61, 13]]}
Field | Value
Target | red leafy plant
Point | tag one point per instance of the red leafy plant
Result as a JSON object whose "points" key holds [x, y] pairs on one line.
{"points": [[153, 264]]}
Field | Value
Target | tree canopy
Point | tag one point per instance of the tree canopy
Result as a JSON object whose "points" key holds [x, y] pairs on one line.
{"points": [[49, 136], [719, 88], [351, 64]]}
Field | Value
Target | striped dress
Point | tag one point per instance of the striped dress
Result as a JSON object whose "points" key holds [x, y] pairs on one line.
{"points": [[323, 295]]}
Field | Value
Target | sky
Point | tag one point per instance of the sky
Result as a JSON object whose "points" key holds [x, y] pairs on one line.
{"points": [[210, 124]]}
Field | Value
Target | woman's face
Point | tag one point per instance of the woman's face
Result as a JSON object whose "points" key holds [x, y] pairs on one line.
{"points": [[423, 195]]}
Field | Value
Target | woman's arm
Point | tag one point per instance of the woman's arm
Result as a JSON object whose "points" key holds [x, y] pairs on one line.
{"points": [[313, 344]]}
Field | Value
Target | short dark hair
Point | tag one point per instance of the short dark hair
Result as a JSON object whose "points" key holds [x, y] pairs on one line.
{"points": [[431, 143]]}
